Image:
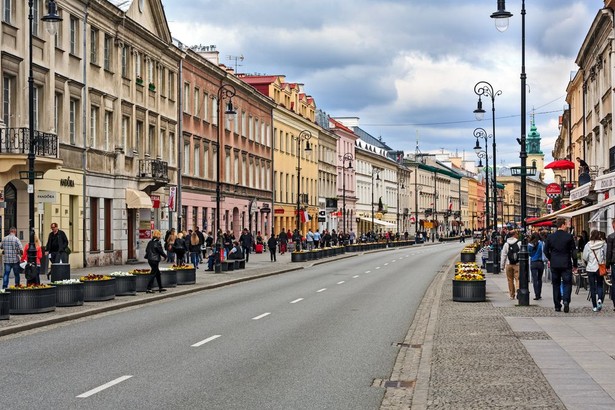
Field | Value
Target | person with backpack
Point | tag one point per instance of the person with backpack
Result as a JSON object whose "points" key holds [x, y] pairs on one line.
{"points": [[561, 251], [537, 265], [509, 262], [594, 253]]}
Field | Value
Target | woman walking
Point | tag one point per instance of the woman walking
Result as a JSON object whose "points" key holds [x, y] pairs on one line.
{"points": [[537, 266], [594, 253], [179, 247], [272, 244], [195, 249], [154, 254]]}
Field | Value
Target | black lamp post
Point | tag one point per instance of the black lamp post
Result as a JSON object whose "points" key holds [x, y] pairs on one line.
{"points": [[376, 172], [481, 133], [400, 185], [501, 17], [304, 135], [51, 20], [225, 91], [347, 157], [484, 88]]}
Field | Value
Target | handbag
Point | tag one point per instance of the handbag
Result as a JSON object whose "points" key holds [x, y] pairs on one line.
{"points": [[601, 266]]}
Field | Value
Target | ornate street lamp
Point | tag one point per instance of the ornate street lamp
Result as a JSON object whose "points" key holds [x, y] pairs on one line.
{"points": [[501, 17], [51, 21], [225, 91], [483, 88], [304, 135], [400, 185], [375, 172], [347, 157], [482, 134]]}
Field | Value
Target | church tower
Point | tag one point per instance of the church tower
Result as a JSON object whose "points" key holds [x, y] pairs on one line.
{"points": [[535, 157]]}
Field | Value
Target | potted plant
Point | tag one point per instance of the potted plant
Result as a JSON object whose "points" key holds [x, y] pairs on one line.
{"points": [[141, 278], [469, 284], [97, 288], [5, 304], [32, 298], [139, 80], [69, 292], [152, 87], [125, 283], [186, 274]]}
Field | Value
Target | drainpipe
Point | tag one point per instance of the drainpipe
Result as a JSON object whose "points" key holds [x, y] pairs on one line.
{"points": [[180, 139], [84, 157]]}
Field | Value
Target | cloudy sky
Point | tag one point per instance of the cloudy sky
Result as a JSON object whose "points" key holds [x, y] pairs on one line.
{"points": [[404, 67]]}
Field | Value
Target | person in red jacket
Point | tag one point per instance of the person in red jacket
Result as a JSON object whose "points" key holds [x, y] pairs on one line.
{"points": [[39, 255]]}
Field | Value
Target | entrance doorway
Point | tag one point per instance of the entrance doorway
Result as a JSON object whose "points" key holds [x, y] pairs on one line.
{"points": [[10, 212]]}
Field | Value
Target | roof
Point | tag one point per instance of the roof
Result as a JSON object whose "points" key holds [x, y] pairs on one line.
{"points": [[123, 5]]}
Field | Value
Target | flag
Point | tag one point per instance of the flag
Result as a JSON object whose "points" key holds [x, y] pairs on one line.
{"points": [[450, 204], [305, 217], [171, 202]]}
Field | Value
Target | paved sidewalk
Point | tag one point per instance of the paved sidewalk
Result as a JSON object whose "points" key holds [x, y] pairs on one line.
{"points": [[496, 354]]}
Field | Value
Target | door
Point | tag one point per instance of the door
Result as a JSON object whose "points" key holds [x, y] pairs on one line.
{"points": [[131, 234], [10, 212]]}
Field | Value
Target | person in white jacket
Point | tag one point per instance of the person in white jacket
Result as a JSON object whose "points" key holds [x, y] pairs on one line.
{"points": [[509, 262], [594, 253]]}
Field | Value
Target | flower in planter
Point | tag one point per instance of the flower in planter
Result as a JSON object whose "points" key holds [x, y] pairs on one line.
{"points": [[92, 277], [140, 272], [116, 274], [31, 286], [66, 282], [2, 290], [152, 87], [181, 267], [139, 80]]}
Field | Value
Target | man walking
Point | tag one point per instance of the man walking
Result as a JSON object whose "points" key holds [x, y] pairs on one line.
{"points": [[610, 258], [12, 249], [57, 244], [560, 249], [246, 242], [272, 244], [510, 263]]}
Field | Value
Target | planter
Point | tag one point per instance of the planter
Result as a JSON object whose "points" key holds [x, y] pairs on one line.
{"points": [[5, 305], [141, 281], [69, 295], [469, 290], [25, 301], [298, 257], [168, 278], [60, 271], [125, 285], [99, 290], [468, 257], [186, 276]]}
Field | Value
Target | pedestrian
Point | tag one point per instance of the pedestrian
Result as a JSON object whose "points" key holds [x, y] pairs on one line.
{"points": [[154, 254], [33, 277], [201, 242], [247, 242], [484, 254], [236, 251], [537, 265], [316, 239], [610, 259], [309, 238], [169, 241], [594, 253], [179, 248], [559, 248], [272, 244], [509, 262], [195, 249], [283, 239], [11, 251], [57, 245]]}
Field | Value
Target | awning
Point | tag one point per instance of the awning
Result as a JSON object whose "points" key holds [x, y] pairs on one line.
{"points": [[553, 215], [378, 222], [137, 199], [591, 208]]}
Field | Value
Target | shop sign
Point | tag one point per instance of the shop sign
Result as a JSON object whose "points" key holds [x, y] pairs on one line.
{"points": [[265, 209], [67, 182], [155, 201], [47, 196], [580, 192], [278, 211], [605, 182], [553, 190], [145, 234], [172, 194]]}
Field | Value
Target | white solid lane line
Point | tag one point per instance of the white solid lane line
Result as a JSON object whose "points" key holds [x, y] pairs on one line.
{"points": [[340, 282], [321, 290], [297, 300], [261, 316], [103, 387], [202, 342], [355, 276]]}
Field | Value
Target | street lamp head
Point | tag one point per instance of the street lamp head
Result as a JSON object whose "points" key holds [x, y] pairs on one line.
{"points": [[378, 177], [52, 18], [230, 111], [479, 113], [480, 167], [477, 147], [501, 16], [308, 147], [349, 164]]}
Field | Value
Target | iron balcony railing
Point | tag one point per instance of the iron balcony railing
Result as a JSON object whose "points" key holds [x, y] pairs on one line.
{"points": [[17, 141], [154, 168]]}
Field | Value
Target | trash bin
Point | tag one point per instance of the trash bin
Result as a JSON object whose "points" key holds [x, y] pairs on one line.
{"points": [[60, 271], [489, 262], [44, 265]]}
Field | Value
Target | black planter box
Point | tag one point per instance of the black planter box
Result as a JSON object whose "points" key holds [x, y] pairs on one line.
{"points": [[186, 276], [69, 295], [141, 282], [5, 305], [33, 300], [469, 290], [168, 278], [60, 271], [125, 285], [468, 257], [99, 290], [298, 257]]}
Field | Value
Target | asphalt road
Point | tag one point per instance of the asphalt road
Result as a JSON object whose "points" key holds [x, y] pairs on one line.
{"points": [[311, 339]]}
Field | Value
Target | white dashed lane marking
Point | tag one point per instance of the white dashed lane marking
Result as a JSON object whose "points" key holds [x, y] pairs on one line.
{"points": [[367, 271], [103, 387], [261, 316], [355, 276], [202, 342], [296, 300], [340, 282], [321, 290]]}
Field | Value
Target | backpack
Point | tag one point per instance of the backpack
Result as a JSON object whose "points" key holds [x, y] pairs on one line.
{"points": [[513, 253]]}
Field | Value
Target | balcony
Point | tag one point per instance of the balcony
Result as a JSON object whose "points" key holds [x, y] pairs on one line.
{"points": [[153, 173], [15, 146]]}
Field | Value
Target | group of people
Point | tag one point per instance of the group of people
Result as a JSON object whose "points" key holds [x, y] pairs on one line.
{"points": [[560, 251], [187, 246], [15, 255]]}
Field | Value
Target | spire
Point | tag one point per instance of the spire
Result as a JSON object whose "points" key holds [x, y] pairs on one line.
{"points": [[533, 138]]}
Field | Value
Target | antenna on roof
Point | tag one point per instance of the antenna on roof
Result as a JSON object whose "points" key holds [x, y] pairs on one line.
{"points": [[236, 59]]}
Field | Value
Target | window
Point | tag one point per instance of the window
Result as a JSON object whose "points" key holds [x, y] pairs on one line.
{"points": [[251, 128], [236, 168], [151, 147], [125, 131], [206, 161], [7, 11], [108, 222], [108, 123], [161, 143], [186, 97], [150, 71], [108, 47], [256, 131], [93, 126], [7, 92], [74, 35], [162, 81], [171, 148], [227, 167], [197, 161], [57, 113], [58, 37], [196, 108], [243, 124], [139, 137], [243, 171], [171, 85], [35, 17], [206, 107], [73, 112], [138, 65], [94, 46], [124, 61], [94, 217], [214, 111], [186, 157]]}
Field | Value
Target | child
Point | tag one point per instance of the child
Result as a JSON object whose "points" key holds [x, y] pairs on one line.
{"points": [[484, 252]]}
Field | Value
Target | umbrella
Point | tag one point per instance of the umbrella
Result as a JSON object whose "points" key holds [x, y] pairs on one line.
{"points": [[530, 221], [560, 164]]}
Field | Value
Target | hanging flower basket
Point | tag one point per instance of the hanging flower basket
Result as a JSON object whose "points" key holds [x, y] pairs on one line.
{"points": [[5, 305], [98, 288], [68, 292], [32, 299]]}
